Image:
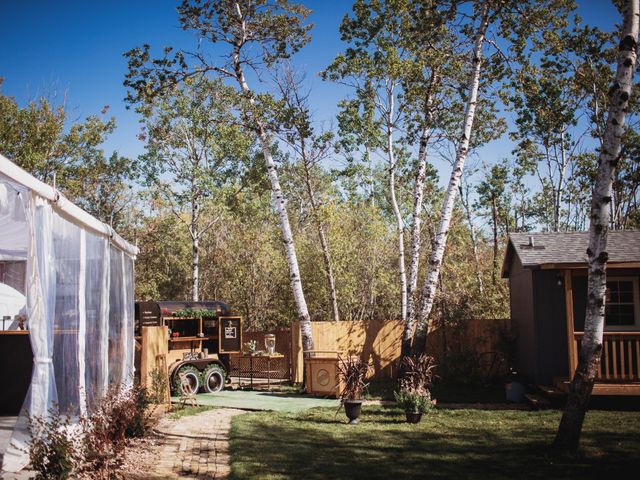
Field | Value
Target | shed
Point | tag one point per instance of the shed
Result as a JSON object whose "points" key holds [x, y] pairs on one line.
{"points": [[76, 275], [547, 274]]}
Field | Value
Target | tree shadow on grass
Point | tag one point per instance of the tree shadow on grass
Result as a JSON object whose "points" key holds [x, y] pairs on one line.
{"points": [[314, 447]]}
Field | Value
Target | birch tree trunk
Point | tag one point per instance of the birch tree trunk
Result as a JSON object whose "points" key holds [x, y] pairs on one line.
{"points": [[568, 437], [396, 209], [435, 261], [494, 218], [279, 201], [416, 219], [324, 244], [194, 231], [472, 233], [195, 269]]}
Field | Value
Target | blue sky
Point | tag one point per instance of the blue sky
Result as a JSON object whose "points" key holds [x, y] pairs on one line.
{"points": [[76, 47]]}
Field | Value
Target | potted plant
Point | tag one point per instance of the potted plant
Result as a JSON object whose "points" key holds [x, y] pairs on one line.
{"points": [[352, 372], [414, 403], [414, 396]]}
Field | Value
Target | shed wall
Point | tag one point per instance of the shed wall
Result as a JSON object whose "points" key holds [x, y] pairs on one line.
{"points": [[521, 305], [550, 314]]}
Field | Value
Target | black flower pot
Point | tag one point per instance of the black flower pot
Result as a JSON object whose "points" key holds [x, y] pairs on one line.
{"points": [[413, 417], [353, 408]]}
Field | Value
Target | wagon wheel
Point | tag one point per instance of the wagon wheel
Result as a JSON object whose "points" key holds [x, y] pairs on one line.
{"points": [[192, 379], [213, 378]]}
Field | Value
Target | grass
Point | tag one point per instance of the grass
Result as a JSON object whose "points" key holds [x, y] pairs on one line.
{"points": [[179, 411], [466, 444]]}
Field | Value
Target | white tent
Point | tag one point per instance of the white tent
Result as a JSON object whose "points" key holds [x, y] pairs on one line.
{"points": [[78, 283]]}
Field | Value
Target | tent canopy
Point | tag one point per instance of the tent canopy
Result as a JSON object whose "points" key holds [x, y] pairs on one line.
{"points": [[77, 273]]}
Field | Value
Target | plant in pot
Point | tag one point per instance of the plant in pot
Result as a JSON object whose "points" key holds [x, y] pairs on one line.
{"points": [[414, 396], [352, 372]]}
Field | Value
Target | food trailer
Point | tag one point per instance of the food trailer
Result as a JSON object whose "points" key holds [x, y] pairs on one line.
{"points": [[200, 338]]}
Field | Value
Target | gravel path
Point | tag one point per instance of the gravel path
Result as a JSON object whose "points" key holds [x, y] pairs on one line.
{"points": [[195, 446]]}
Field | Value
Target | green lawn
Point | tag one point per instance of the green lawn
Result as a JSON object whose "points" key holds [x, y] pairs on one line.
{"points": [[456, 444]]}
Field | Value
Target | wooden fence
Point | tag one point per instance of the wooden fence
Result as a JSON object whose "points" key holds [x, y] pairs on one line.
{"points": [[377, 341]]}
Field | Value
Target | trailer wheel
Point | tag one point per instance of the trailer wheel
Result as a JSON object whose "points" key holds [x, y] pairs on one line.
{"points": [[213, 378], [193, 376]]}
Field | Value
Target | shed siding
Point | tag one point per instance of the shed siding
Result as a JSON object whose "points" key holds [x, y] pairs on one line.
{"points": [[521, 304], [550, 315]]}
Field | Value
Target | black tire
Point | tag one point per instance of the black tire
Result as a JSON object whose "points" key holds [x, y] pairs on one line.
{"points": [[213, 378], [193, 375]]}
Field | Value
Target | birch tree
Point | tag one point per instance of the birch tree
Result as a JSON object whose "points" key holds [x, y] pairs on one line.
{"points": [[437, 255], [252, 35], [311, 148], [515, 24], [372, 67], [194, 150], [568, 436]]}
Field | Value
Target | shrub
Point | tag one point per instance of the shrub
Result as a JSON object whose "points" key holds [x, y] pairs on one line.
{"points": [[123, 413], [159, 386], [93, 448], [414, 401], [55, 447]]}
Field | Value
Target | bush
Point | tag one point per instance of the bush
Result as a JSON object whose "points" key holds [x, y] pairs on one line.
{"points": [[55, 447], [159, 386], [415, 402], [93, 448]]}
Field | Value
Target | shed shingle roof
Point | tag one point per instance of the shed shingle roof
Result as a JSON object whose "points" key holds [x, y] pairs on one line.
{"points": [[569, 247]]}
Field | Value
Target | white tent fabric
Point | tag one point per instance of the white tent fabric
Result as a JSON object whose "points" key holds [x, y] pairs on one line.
{"points": [[12, 303], [79, 299]]}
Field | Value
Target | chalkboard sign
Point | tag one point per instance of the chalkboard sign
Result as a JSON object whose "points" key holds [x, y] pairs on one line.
{"points": [[230, 339]]}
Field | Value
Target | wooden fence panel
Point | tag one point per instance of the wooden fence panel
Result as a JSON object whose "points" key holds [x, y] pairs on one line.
{"points": [[377, 341]]}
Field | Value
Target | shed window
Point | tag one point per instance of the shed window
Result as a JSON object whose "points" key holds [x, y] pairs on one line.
{"points": [[622, 302]]}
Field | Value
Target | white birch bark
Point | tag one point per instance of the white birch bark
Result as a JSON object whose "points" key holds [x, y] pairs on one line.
{"points": [[472, 233], [396, 209], [279, 201], [435, 261], [195, 263], [324, 243], [416, 218], [568, 437]]}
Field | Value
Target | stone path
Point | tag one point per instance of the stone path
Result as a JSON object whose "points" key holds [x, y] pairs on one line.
{"points": [[195, 446]]}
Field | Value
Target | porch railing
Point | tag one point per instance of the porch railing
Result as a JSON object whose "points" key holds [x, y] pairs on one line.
{"points": [[620, 360]]}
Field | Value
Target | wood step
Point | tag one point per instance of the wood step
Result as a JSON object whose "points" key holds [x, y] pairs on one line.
{"points": [[536, 401], [551, 392]]}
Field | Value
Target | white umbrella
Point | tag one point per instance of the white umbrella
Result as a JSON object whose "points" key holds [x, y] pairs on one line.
{"points": [[12, 303]]}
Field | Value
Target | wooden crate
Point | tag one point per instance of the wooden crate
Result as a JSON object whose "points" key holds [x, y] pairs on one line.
{"points": [[322, 376]]}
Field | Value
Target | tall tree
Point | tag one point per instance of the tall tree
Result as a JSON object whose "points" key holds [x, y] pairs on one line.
{"points": [[311, 148], [372, 66], [194, 149], [254, 35], [41, 138], [568, 436], [437, 255], [546, 103], [493, 199], [511, 26]]}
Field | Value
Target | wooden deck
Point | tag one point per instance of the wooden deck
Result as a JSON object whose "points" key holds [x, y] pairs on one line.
{"points": [[604, 388], [619, 372]]}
